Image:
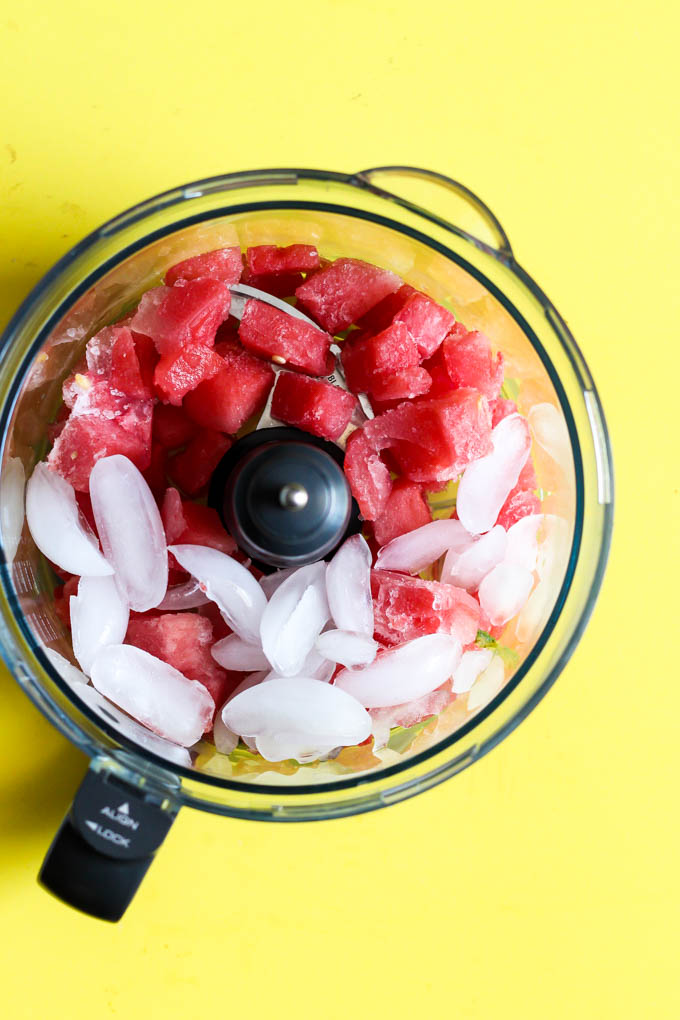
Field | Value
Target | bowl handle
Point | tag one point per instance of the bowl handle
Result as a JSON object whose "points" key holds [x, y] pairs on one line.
{"points": [[461, 210], [105, 845]]}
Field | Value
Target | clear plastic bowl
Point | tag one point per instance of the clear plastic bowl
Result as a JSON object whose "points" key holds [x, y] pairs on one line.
{"points": [[439, 237]]}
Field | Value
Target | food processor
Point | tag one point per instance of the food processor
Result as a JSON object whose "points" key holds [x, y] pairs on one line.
{"points": [[437, 236]]}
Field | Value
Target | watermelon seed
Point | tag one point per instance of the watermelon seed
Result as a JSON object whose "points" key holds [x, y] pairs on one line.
{"points": [[278, 359]]}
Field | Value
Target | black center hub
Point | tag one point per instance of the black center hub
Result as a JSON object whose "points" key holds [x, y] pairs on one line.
{"points": [[283, 496]]}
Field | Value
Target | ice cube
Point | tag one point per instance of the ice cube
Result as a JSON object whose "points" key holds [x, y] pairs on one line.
{"points": [[416, 550], [504, 591], [347, 648], [154, 693], [183, 596], [470, 666], [469, 568], [487, 482], [69, 673], [270, 582], [411, 712], [131, 531], [131, 729], [226, 582], [293, 619], [487, 685], [99, 617], [551, 561], [549, 429], [58, 528], [12, 484], [522, 547], [232, 652], [297, 718], [225, 739], [404, 673], [348, 584]]}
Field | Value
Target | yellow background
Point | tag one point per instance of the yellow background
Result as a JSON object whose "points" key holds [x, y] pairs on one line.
{"points": [[543, 882]]}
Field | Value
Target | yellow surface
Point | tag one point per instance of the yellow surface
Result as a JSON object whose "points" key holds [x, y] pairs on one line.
{"points": [[543, 882]]}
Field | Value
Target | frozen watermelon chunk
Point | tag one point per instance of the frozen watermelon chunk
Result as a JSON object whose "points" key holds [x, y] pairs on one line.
{"points": [[406, 509], [264, 260], [179, 374], [380, 317], [501, 409], [120, 358], [426, 321], [337, 296], [187, 314], [192, 468], [408, 607], [277, 336], [171, 427], [155, 475], [522, 500], [100, 425], [368, 475], [225, 264], [402, 385], [282, 285], [465, 360], [236, 392], [187, 523], [313, 405], [183, 640]]}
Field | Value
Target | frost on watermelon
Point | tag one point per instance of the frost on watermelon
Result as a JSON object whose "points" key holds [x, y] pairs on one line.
{"points": [[337, 296], [407, 608], [192, 468], [312, 405], [110, 409], [385, 365], [183, 640], [368, 475], [522, 500], [179, 374], [464, 359], [402, 385], [276, 336], [279, 271], [406, 509], [171, 427], [188, 523], [225, 264], [236, 392], [186, 315]]}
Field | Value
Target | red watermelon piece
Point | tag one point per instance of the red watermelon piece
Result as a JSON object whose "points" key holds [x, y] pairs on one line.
{"points": [[312, 405], [225, 264], [236, 392], [276, 336], [187, 314], [426, 321], [368, 475], [501, 409], [281, 285], [465, 360], [171, 427], [267, 259], [382, 315], [192, 468], [403, 385], [156, 473], [406, 509], [183, 640], [408, 607], [190, 523], [337, 296], [220, 627], [179, 374], [522, 500]]}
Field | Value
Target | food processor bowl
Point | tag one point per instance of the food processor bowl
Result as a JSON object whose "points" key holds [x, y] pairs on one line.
{"points": [[439, 237]]}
